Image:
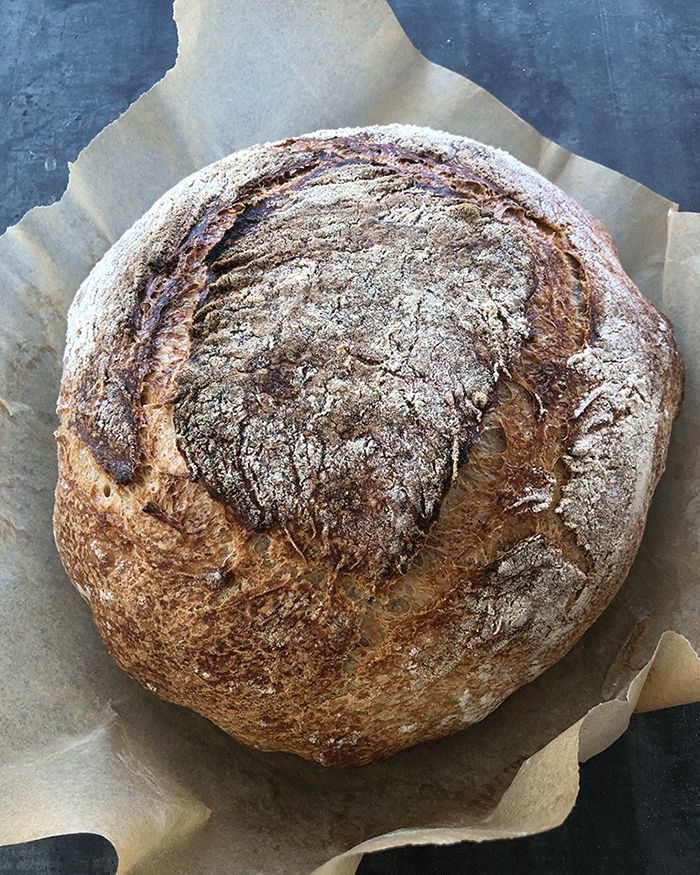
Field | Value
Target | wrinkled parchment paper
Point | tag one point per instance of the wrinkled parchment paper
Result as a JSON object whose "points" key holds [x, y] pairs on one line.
{"points": [[82, 747]]}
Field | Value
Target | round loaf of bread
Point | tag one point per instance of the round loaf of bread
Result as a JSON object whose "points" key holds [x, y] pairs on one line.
{"points": [[358, 435]]}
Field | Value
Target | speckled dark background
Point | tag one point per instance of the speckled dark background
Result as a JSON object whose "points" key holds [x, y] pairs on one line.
{"points": [[615, 80]]}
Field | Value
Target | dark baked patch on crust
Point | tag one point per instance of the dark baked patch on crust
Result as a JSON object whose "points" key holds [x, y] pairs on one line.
{"points": [[107, 415]]}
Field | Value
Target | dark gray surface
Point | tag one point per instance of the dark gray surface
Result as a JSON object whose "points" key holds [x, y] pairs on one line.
{"points": [[68, 68], [615, 80]]}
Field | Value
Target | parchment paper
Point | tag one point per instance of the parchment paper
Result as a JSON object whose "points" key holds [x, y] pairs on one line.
{"points": [[82, 747]]}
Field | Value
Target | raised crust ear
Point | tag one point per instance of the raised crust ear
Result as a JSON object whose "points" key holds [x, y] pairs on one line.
{"points": [[369, 420]]}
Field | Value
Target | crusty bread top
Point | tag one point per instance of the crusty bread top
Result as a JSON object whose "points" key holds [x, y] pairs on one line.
{"points": [[355, 297], [359, 431]]}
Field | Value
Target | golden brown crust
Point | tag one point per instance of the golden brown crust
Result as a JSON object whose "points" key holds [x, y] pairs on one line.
{"points": [[359, 432]]}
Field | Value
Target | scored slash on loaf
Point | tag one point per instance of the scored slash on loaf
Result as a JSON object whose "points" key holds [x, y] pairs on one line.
{"points": [[358, 435]]}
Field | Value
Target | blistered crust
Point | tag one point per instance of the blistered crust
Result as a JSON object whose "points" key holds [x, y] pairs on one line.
{"points": [[359, 433]]}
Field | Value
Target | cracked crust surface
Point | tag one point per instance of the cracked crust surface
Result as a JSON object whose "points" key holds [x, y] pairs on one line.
{"points": [[359, 432]]}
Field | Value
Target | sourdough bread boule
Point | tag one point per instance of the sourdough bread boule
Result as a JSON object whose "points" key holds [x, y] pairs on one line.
{"points": [[358, 435]]}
